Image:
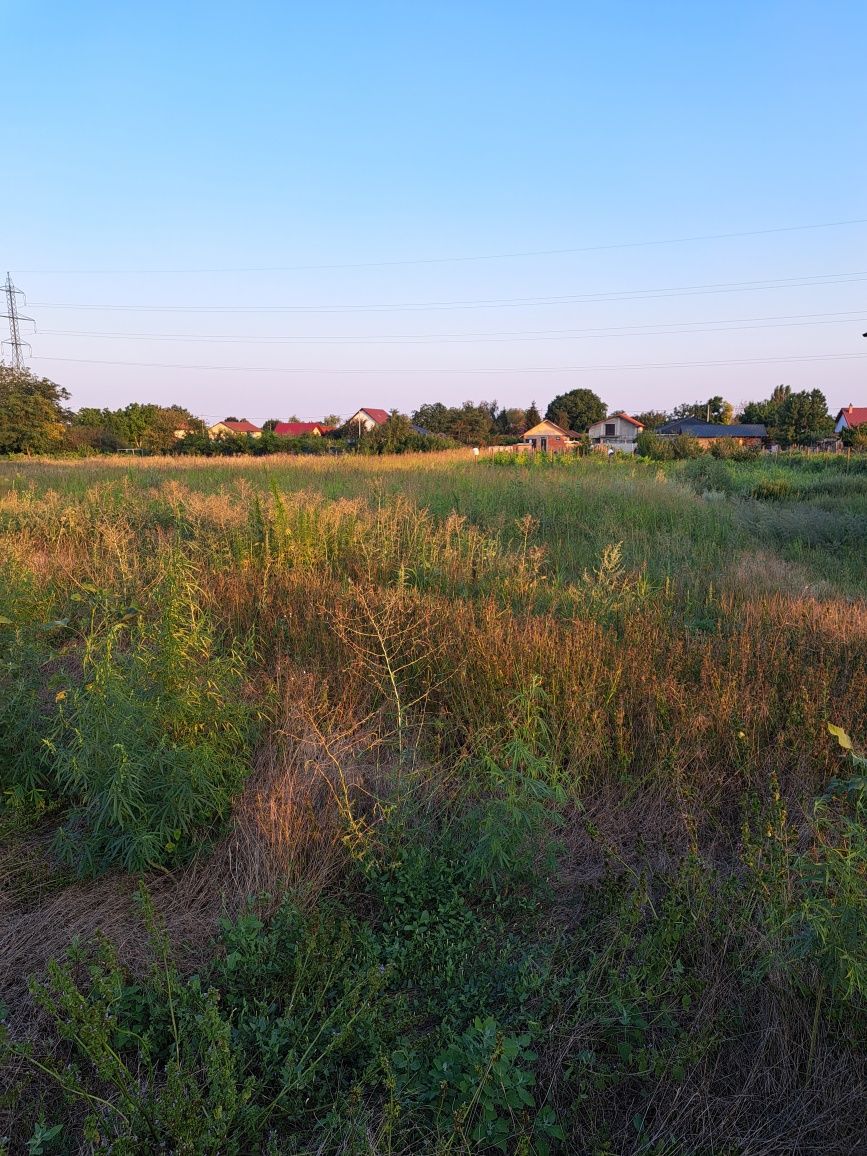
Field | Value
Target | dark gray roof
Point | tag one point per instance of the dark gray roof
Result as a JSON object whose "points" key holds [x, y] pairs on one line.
{"points": [[707, 429]]}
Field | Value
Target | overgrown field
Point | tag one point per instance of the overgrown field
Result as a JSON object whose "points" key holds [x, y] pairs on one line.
{"points": [[427, 805]]}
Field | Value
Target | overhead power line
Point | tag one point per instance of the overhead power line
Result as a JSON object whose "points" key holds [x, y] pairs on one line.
{"points": [[428, 370], [464, 259], [805, 281], [465, 338]]}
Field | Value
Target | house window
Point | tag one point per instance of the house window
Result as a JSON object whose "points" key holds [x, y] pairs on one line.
{"points": [[544, 444], [610, 429]]}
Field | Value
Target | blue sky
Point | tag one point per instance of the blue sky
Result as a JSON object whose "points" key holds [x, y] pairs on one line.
{"points": [[188, 164]]}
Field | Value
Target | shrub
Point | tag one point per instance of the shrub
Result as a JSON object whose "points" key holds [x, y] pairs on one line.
{"points": [[729, 450], [280, 1027], [150, 750], [654, 446], [830, 917], [775, 489], [686, 446], [24, 763], [28, 650], [708, 474]]}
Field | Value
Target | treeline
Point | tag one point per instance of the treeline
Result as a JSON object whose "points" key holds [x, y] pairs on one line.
{"points": [[137, 426], [34, 419], [396, 436], [477, 424], [792, 418]]}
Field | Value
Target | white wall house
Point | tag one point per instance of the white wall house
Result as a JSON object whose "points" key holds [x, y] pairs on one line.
{"points": [[850, 417], [619, 432], [367, 419]]}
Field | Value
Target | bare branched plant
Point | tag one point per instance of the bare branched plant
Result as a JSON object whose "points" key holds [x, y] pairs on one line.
{"points": [[396, 640]]}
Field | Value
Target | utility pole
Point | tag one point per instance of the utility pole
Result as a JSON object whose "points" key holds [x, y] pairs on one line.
{"points": [[13, 317]]}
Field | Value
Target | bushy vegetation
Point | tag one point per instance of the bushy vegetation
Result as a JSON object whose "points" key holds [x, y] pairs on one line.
{"points": [[433, 805], [143, 732]]}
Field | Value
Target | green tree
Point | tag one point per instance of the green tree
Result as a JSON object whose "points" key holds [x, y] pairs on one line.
{"points": [[856, 438], [766, 412], [137, 426], [469, 423], [716, 410], [433, 416], [32, 416], [533, 416], [97, 429], [652, 418], [511, 422], [577, 410], [397, 436], [803, 418], [472, 425]]}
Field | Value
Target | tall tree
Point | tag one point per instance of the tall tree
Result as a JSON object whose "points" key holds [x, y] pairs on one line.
{"points": [[468, 423], [136, 426], [652, 418], [472, 424], [32, 415], [766, 412], [511, 422], [803, 418], [533, 416], [433, 416], [576, 410], [715, 410]]}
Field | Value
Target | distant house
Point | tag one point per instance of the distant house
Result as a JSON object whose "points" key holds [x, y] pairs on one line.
{"points": [[181, 431], [619, 432], [301, 429], [850, 417], [548, 437], [231, 428], [707, 432], [368, 419]]}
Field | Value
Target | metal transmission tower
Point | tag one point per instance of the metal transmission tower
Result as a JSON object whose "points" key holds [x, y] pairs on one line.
{"points": [[13, 317]]}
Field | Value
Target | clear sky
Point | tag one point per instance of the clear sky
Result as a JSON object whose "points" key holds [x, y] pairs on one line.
{"points": [[189, 163]]}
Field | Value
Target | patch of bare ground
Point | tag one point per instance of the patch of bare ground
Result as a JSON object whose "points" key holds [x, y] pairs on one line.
{"points": [[609, 836]]}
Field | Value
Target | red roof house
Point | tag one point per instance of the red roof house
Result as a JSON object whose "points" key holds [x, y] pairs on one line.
{"points": [[850, 417], [368, 419], [631, 420], [300, 429]]}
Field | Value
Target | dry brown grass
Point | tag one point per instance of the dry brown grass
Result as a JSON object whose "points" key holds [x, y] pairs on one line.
{"points": [[287, 834]]}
